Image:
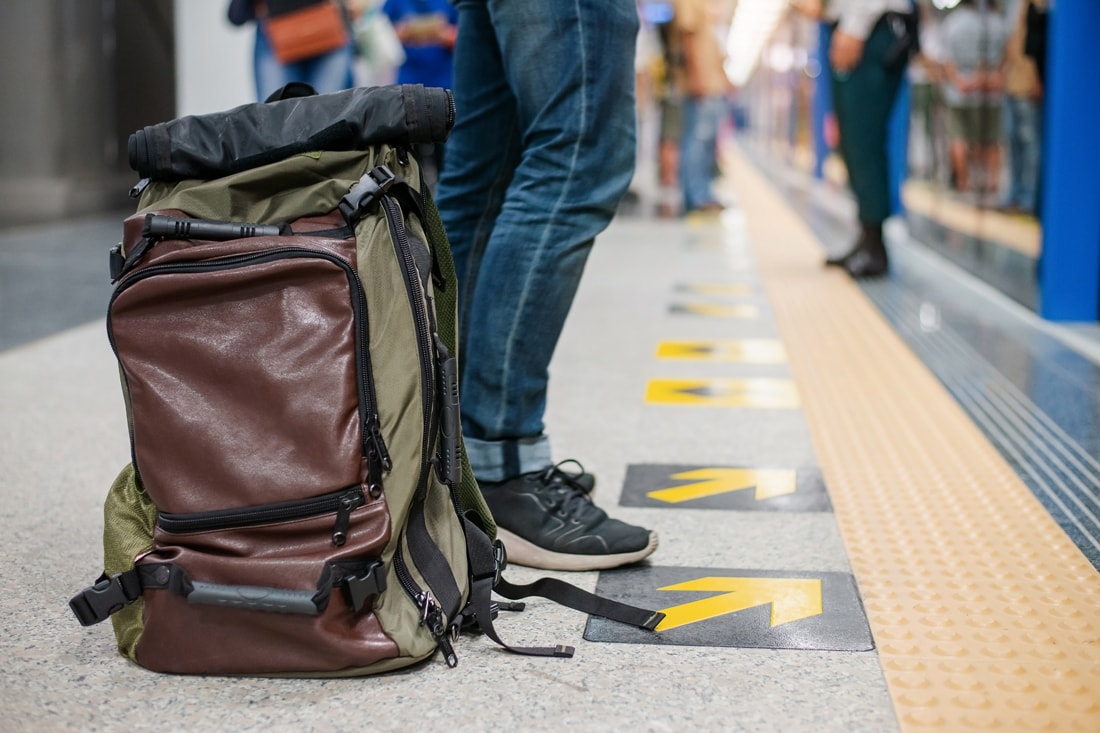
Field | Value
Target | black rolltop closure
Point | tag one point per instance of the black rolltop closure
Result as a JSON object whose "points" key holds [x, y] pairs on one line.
{"points": [[215, 145]]}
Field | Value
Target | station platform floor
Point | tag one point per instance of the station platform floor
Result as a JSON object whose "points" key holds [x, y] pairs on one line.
{"points": [[878, 502]]}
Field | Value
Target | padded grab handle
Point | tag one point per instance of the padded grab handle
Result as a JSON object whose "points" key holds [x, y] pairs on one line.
{"points": [[254, 598]]}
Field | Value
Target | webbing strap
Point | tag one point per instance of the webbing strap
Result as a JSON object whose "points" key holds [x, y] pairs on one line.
{"points": [[581, 600], [485, 565], [111, 594], [480, 596]]}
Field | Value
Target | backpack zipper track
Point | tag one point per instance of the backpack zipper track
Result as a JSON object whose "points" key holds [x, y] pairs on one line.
{"points": [[341, 502], [431, 612]]}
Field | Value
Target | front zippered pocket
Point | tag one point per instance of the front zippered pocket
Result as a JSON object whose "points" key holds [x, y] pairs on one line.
{"points": [[239, 312], [372, 437], [342, 503]]}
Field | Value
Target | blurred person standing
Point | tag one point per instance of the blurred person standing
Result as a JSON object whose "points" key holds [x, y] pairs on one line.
{"points": [[1022, 104], [328, 70], [974, 39], [540, 156], [869, 49], [926, 154], [426, 29], [699, 27]]}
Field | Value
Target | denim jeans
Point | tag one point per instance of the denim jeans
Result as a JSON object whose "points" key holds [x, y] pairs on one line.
{"points": [[1021, 133], [541, 153], [330, 72], [701, 118]]}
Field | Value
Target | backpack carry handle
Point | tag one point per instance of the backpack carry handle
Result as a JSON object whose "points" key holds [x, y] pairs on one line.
{"points": [[254, 598], [110, 594], [159, 226]]}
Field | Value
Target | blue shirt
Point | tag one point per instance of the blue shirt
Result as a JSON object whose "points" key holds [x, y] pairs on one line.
{"points": [[431, 66]]}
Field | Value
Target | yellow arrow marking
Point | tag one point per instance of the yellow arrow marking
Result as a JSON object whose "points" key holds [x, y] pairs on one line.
{"points": [[756, 392], [717, 311], [751, 351], [712, 481], [737, 290], [792, 599]]}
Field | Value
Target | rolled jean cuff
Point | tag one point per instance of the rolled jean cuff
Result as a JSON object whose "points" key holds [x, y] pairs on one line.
{"points": [[499, 460]]}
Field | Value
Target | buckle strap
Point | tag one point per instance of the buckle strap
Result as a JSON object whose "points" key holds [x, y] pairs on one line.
{"points": [[487, 560], [108, 595], [369, 189]]}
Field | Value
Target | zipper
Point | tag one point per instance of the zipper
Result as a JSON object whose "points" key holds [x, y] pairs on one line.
{"points": [[451, 113], [431, 611], [423, 333], [342, 503], [431, 614], [373, 445]]}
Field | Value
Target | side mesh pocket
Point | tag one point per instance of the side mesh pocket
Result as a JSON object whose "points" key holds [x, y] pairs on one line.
{"points": [[128, 518]]}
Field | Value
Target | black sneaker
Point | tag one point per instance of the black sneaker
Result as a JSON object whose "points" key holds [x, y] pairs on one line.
{"points": [[547, 520]]}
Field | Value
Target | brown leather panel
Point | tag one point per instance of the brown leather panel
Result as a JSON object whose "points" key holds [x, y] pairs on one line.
{"points": [[275, 427], [179, 637]]}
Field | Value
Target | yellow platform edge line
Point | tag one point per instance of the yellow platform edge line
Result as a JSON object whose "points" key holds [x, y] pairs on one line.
{"points": [[985, 615]]}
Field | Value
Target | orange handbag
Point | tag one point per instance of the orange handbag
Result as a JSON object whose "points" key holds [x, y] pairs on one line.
{"points": [[299, 30]]}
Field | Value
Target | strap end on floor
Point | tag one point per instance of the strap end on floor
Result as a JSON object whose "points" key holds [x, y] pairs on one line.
{"points": [[653, 621]]}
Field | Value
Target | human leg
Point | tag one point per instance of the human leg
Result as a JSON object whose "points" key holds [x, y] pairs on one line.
{"points": [[989, 145], [522, 219], [483, 151], [864, 101], [271, 74], [1027, 112], [958, 122], [1010, 135], [702, 117], [577, 124]]}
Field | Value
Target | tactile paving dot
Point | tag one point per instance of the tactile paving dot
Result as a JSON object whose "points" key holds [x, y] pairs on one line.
{"points": [[985, 615]]}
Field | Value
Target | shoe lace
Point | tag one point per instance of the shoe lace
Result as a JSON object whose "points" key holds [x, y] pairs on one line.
{"points": [[555, 474], [572, 497]]}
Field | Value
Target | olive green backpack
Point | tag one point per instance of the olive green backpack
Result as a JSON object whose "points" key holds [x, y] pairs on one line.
{"points": [[284, 317]]}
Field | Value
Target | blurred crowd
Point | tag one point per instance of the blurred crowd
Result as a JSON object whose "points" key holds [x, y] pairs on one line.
{"points": [[976, 89]]}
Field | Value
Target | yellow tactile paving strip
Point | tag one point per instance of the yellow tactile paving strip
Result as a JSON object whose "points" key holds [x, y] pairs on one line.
{"points": [[985, 615]]}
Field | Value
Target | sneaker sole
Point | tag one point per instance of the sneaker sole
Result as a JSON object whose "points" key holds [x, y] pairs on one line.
{"points": [[522, 552]]}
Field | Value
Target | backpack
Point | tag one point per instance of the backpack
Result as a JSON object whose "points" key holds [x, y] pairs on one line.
{"points": [[298, 500]]}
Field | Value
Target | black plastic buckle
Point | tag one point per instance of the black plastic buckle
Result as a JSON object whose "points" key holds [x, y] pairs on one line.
{"points": [[362, 587], [107, 596], [116, 263], [500, 561], [369, 189]]}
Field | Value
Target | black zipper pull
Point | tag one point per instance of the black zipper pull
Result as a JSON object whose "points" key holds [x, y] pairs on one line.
{"points": [[380, 451], [448, 650], [139, 187], [347, 503], [431, 615]]}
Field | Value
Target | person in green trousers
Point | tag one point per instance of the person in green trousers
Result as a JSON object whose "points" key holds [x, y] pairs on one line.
{"points": [[870, 45]]}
